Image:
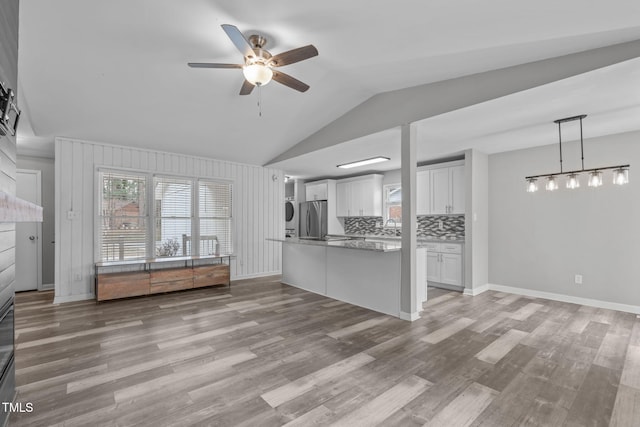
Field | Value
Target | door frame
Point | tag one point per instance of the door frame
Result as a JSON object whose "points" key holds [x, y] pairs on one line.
{"points": [[38, 175]]}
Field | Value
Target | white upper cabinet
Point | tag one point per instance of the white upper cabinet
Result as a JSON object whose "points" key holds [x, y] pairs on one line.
{"points": [[423, 193], [447, 190], [316, 191], [343, 196], [439, 191], [360, 196]]}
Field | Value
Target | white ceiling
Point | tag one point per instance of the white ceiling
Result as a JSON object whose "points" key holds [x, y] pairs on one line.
{"points": [[116, 72]]}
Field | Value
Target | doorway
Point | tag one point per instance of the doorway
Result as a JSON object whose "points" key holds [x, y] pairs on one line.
{"points": [[28, 234]]}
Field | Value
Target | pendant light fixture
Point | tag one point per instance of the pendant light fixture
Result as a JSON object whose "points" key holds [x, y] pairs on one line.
{"points": [[620, 173]]}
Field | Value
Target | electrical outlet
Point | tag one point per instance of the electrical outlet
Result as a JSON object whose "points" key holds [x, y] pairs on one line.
{"points": [[77, 277], [378, 224], [440, 225], [578, 279]]}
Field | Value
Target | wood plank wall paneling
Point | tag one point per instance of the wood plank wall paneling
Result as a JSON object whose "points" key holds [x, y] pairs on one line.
{"points": [[9, 75], [258, 212]]}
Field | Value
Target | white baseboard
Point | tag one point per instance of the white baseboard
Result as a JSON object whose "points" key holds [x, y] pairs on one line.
{"points": [[256, 275], [72, 298], [472, 292], [566, 298], [47, 287], [411, 317]]}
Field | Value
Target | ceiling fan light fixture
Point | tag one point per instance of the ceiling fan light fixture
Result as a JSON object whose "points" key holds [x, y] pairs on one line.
{"points": [[257, 74]]}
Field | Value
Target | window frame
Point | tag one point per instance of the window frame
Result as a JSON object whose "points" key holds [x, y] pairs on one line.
{"points": [[150, 229], [386, 190]]}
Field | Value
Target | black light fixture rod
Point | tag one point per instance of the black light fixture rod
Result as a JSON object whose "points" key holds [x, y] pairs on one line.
{"points": [[581, 141], [577, 171], [560, 139]]}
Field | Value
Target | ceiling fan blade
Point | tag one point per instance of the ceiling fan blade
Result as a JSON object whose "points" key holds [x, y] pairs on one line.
{"points": [[246, 88], [287, 80], [238, 39], [212, 65], [294, 55]]}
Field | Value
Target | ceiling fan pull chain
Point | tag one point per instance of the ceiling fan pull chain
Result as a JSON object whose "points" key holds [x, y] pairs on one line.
{"points": [[260, 100]]}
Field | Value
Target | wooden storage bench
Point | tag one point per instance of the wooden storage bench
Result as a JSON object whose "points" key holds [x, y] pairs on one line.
{"points": [[153, 279]]}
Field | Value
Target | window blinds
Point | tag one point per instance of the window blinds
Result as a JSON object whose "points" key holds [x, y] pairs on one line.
{"points": [[172, 208]]}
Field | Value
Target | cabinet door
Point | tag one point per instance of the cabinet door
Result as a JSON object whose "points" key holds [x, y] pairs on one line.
{"points": [[422, 193], [433, 266], [316, 191], [343, 197], [456, 189], [439, 190], [451, 269], [358, 198]]}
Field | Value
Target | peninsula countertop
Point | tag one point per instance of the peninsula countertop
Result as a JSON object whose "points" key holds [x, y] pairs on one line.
{"points": [[390, 246], [375, 243]]}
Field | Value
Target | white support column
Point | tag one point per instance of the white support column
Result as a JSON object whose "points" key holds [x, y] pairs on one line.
{"points": [[409, 165]]}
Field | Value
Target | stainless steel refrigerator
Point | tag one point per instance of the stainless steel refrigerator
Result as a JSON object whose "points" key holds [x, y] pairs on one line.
{"points": [[313, 220]]}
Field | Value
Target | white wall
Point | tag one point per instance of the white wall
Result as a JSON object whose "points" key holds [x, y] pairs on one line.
{"points": [[476, 221], [258, 208], [539, 241], [46, 166]]}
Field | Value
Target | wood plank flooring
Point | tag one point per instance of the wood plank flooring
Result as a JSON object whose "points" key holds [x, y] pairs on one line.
{"points": [[265, 354]]}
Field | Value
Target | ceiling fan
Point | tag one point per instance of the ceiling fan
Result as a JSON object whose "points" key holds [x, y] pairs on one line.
{"points": [[259, 65]]}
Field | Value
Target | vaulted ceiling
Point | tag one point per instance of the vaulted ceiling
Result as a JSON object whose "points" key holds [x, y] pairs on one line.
{"points": [[115, 71]]}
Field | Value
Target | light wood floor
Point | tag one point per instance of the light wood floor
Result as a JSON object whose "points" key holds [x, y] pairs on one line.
{"points": [[266, 354]]}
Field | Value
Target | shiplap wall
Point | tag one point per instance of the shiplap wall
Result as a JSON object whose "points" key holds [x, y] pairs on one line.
{"points": [[9, 75], [258, 208]]}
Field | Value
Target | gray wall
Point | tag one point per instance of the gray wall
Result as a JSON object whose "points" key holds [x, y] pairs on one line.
{"points": [[540, 240], [48, 207]]}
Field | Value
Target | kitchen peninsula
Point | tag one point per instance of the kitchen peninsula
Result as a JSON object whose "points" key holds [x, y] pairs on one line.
{"points": [[361, 272]]}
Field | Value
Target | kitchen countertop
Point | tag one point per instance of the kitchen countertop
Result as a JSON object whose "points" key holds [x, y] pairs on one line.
{"points": [[377, 243], [390, 246], [392, 238]]}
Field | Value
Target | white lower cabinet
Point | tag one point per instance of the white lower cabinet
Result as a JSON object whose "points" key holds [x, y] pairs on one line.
{"points": [[444, 264]]}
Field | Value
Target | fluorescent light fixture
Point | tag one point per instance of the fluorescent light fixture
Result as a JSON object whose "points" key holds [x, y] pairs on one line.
{"points": [[364, 162]]}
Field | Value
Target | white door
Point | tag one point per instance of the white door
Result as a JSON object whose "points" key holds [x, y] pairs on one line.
{"points": [[28, 245]]}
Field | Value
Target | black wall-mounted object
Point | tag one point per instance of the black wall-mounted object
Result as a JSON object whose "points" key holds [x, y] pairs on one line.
{"points": [[9, 112]]}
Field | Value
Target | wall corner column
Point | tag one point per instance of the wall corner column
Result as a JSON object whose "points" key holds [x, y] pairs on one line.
{"points": [[409, 309]]}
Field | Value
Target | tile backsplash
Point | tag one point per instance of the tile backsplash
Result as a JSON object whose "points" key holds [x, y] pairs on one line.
{"points": [[428, 226]]}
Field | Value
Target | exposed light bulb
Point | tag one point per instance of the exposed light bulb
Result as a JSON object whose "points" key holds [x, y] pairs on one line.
{"points": [[573, 181], [532, 185], [621, 176], [595, 179], [552, 183]]}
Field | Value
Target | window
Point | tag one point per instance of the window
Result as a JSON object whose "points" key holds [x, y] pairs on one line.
{"points": [[214, 216], [123, 216], [393, 205], [172, 201], [188, 216]]}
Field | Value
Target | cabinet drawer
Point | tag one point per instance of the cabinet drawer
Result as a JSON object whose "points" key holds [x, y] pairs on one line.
{"points": [[451, 248], [171, 279], [122, 285], [433, 247], [210, 275]]}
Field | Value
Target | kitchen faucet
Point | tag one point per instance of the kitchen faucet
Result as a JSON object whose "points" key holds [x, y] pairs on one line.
{"points": [[395, 226]]}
